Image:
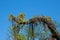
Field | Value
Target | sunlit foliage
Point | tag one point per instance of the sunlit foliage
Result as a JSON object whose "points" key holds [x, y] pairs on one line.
{"points": [[33, 29]]}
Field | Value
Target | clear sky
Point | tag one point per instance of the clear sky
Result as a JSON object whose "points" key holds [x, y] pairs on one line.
{"points": [[30, 8]]}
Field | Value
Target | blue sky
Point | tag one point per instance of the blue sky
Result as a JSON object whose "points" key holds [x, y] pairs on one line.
{"points": [[30, 8]]}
